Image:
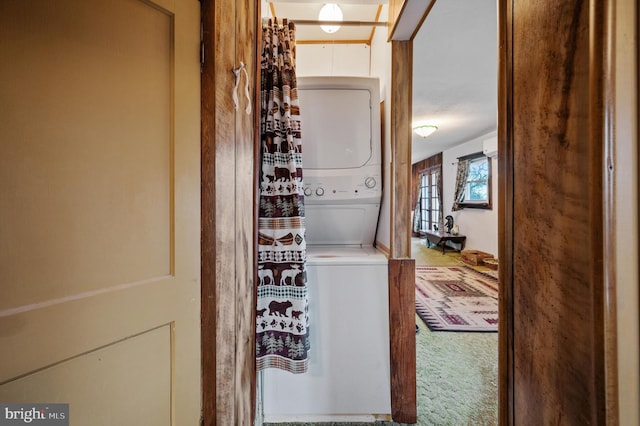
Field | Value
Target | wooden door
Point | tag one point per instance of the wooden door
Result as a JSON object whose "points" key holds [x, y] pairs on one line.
{"points": [[99, 208]]}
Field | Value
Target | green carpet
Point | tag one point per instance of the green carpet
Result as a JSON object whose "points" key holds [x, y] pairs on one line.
{"points": [[457, 377], [457, 373]]}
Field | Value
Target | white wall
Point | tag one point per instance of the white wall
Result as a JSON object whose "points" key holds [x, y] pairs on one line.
{"points": [[358, 60], [346, 60], [381, 68], [479, 225]]}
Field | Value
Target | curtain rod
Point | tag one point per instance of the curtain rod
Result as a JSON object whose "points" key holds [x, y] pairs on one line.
{"points": [[341, 23]]}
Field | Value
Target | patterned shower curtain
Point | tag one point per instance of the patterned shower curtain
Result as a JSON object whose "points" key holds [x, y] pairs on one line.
{"points": [[282, 315]]}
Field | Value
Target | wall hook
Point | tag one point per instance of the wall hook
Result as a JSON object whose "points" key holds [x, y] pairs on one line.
{"points": [[237, 71]]}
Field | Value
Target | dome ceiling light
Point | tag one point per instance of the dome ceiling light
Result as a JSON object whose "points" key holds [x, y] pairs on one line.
{"points": [[330, 12], [426, 130]]}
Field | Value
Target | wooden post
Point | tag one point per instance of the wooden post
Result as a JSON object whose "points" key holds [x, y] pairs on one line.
{"points": [[401, 268]]}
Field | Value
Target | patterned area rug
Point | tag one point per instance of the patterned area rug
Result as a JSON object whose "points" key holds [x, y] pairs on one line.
{"points": [[456, 299]]}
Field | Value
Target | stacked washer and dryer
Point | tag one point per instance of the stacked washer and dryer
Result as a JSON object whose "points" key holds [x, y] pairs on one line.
{"points": [[349, 367]]}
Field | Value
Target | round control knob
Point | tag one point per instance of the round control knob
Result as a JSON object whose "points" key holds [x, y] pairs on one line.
{"points": [[370, 182], [307, 191], [320, 192]]}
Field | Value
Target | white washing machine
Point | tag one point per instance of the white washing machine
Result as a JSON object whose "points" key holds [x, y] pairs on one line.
{"points": [[349, 367]]}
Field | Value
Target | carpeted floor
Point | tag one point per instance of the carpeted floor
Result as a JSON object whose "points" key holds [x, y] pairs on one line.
{"points": [[456, 298], [457, 373], [457, 377]]}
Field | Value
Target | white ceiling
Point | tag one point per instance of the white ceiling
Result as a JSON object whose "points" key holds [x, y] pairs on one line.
{"points": [[352, 10], [454, 66], [455, 74]]}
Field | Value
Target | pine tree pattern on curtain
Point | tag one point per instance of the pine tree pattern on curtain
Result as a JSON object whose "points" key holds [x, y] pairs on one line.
{"points": [[282, 314]]}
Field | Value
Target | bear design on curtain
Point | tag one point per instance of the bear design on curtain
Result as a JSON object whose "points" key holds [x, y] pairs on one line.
{"points": [[282, 316]]}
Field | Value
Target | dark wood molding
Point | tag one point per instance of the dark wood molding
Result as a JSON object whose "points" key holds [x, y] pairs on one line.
{"points": [[208, 222], [597, 199], [402, 322], [256, 195], [505, 215]]}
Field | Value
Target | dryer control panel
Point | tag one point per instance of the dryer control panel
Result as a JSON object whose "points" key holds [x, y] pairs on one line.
{"points": [[339, 189]]}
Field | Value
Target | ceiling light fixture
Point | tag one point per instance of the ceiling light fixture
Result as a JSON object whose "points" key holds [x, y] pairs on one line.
{"points": [[425, 130], [330, 12]]}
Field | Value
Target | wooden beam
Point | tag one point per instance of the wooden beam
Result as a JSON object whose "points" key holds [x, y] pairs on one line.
{"points": [[552, 127], [224, 210], [401, 268], [406, 18], [227, 234], [208, 220], [401, 96], [246, 143], [402, 323], [317, 22], [357, 2]]}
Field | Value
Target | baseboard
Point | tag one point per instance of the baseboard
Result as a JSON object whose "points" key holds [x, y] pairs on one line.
{"points": [[384, 249], [327, 418]]}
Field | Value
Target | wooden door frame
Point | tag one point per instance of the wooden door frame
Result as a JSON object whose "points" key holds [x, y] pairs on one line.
{"points": [[228, 212], [604, 398], [505, 219], [239, 399]]}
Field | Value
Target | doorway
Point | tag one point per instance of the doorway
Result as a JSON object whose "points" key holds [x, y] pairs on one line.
{"points": [[508, 222], [455, 88]]}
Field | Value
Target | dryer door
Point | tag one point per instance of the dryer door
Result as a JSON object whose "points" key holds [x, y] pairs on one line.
{"points": [[336, 128]]}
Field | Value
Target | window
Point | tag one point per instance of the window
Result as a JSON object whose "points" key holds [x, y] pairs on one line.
{"points": [[477, 187], [429, 200]]}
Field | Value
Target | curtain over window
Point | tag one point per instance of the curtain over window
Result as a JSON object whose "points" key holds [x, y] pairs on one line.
{"points": [[438, 189], [282, 329], [417, 212], [461, 181]]}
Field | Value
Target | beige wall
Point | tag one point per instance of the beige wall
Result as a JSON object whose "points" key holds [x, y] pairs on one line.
{"points": [[626, 214]]}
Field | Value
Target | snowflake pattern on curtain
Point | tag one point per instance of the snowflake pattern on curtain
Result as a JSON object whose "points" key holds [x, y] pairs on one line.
{"points": [[282, 316]]}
